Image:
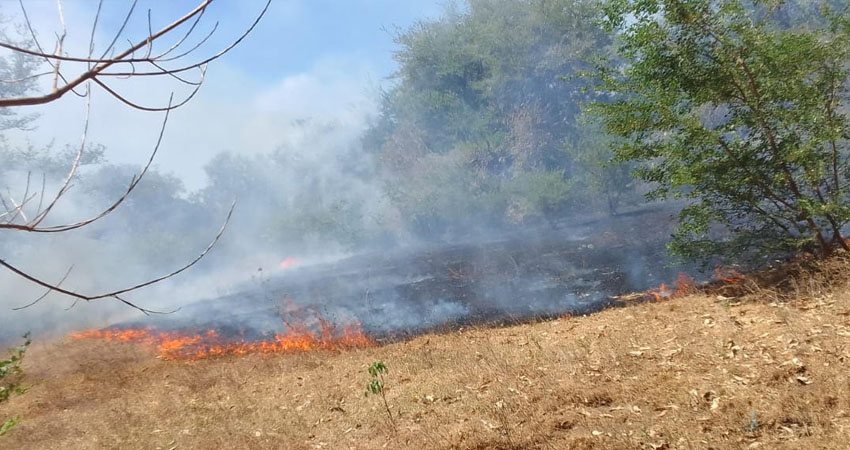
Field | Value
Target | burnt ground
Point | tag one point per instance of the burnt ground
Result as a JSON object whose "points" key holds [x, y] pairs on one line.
{"points": [[568, 268]]}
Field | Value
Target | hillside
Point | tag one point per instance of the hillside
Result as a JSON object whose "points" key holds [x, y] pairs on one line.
{"points": [[768, 369]]}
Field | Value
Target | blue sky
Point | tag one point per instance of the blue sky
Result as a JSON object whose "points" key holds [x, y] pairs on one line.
{"points": [[303, 31], [321, 60], [295, 33]]}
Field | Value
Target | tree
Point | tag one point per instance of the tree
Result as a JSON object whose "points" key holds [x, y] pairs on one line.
{"points": [[597, 175], [29, 63], [475, 130], [720, 103]]}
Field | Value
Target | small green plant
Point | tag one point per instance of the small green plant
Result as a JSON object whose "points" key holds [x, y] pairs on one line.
{"points": [[10, 379], [375, 386], [7, 425]]}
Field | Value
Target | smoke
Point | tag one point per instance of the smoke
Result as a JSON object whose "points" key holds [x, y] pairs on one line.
{"points": [[305, 194], [302, 201], [298, 156]]}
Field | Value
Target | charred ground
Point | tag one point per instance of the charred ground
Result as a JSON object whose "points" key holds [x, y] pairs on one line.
{"points": [[569, 268]]}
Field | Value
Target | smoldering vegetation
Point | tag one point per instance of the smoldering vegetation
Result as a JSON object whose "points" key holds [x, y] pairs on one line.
{"points": [[477, 192], [532, 274]]}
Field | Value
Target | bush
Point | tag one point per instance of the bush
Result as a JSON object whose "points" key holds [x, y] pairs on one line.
{"points": [[11, 375]]}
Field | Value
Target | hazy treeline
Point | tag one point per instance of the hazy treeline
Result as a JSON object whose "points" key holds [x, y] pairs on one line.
{"points": [[484, 124]]}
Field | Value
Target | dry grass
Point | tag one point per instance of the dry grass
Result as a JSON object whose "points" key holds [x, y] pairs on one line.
{"points": [[693, 373]]}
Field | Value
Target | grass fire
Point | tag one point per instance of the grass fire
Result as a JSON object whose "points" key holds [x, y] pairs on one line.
{"points": [[177, 345]]}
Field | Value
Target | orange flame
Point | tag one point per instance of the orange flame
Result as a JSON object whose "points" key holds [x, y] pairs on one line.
{"points": [[683, 286], [178, 345], [728, 275], [288, 262], [661, 293]]}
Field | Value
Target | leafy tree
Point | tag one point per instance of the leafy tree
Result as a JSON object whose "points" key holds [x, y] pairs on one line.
{"points": [[474, 130], [720, 103], [288, 204], [597, 175]]}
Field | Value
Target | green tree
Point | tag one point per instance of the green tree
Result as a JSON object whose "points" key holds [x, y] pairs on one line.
{"points": [[598, 176], [474, 131], [720, 103]]}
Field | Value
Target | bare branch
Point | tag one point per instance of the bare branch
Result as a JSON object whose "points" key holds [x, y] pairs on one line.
{"points": [[76, 164], [150, 36], [185, 36], [133, 183], [60, 41], [94, 71], [113, 65], [93, 29], [116, 294], [180, 79], [150, 109], [120, 30], [205, 61], [19, 208], [26, 78], [195, 47], [47, 57], [47, 292]]}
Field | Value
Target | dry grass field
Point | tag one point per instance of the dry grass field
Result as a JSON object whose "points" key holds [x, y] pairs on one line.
{"points": [[767, 369]]}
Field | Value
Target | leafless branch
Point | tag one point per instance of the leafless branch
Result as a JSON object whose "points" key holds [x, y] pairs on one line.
{"points": [[58, 91], [186, 36], [18, 215], [33, 226], [97, 67], [46, 57], [117, 293], [93, 29], [47, 292], [205, 61], [26, 78], [60, 41]]}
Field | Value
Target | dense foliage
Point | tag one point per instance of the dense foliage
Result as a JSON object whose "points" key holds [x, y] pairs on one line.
{"points": [[483, 124], [739, 108]]}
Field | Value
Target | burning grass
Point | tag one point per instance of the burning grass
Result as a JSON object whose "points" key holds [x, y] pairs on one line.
{"points": [[761, 363], [307, 331], [186, 345]]}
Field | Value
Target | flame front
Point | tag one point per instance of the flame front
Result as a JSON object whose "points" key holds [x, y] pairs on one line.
{"points": [[683, 286], [176, 345]]}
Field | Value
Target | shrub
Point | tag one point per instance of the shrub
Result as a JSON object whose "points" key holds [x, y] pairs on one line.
{"points": [[11, 375]]}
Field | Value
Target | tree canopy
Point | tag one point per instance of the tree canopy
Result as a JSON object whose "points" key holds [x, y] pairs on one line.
{"points": [[730, 105], [480, 124]]}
